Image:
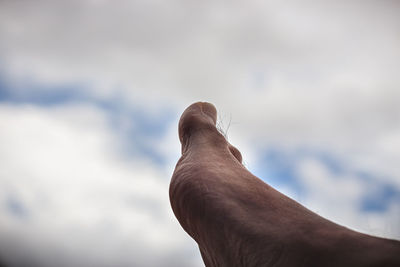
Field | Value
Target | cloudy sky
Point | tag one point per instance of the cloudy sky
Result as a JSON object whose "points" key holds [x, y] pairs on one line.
{"points": [[91, 92]]}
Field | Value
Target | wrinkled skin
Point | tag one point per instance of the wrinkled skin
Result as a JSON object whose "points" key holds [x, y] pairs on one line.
{"points": [[238, 220]]}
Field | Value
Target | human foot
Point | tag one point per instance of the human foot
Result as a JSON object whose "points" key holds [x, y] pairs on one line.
{"points": [[238, 220]]}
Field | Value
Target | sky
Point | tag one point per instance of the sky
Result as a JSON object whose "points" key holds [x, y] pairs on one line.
{"points": [[91, 92]]}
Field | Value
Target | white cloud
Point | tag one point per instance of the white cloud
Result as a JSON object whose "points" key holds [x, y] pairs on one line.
{"points": [[315, 74], [82, 204]]}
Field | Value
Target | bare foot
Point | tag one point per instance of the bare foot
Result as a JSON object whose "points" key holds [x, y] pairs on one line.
{"points": [[238, 220]]}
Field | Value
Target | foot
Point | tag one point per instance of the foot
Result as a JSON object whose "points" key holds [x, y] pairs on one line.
{"points": [[238, 220]]}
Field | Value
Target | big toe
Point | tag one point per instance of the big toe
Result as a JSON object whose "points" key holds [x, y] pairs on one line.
{"points": [[198, 123], [198, 116]]}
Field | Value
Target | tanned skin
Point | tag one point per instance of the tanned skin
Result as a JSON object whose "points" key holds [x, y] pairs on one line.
{"points": [[238, 220]]}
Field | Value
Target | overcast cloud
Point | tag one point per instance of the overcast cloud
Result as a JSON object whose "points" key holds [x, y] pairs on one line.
{"points": [[91, 92]]}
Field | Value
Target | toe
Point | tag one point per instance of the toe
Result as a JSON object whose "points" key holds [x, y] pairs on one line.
{"points": [[236, 153], [200, 115], [197, 129]]}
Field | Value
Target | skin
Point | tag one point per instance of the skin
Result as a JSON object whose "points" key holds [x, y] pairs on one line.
{"points": [[238, 220]]}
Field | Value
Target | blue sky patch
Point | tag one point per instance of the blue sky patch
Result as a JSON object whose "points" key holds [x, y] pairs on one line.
{"points": [[136, 128], [380, 198], [277, 167], [16, 208]]}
